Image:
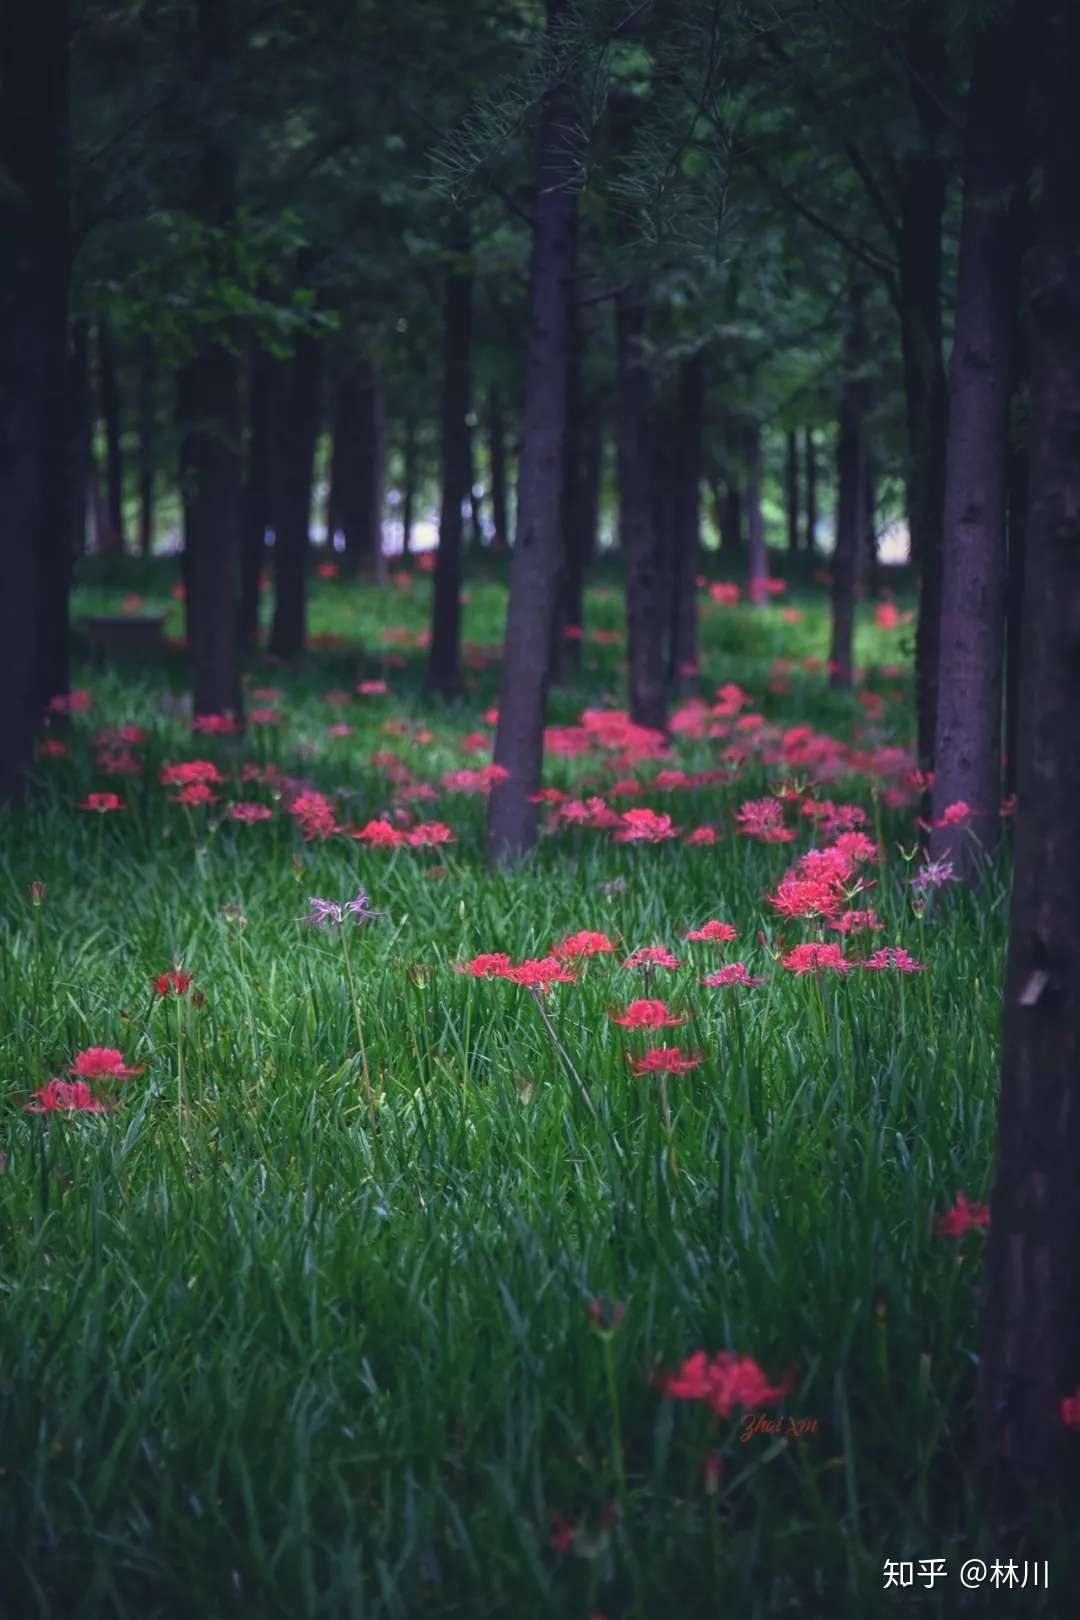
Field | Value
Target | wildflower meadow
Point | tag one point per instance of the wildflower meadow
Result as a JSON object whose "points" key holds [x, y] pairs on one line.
{"points": [[596, 1238]]}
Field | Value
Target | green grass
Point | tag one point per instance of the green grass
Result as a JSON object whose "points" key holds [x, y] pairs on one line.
{"points": [[259, 1362]]}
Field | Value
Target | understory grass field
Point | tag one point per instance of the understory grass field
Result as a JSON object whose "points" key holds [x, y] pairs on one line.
{"points": [[258, 1358]]}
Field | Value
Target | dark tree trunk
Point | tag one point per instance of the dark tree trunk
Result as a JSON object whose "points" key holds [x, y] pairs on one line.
{"points": [[35, 458], [566, 649], [729, 515], [266, 379], [870, 504], [967, 747], [109, 393], [476, 510], [81, 427], [444, 659], [296, 443], [757, 558], [359, 466], [147, 436], [210, 390], [850, 494], [922, 203], [497, 453], [1031, 1341], [519, 741], [810, 458], [1019, 495], [791, 490], [638, 536], [333, 473], [408, 494], [686, 534]]}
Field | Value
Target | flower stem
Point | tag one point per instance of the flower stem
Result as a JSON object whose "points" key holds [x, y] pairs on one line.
{"points": [[368, 1089], [537, 995]]}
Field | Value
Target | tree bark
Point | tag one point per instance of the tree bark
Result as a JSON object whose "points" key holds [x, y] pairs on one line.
{"points": [[791, 490], [497, 452], [109, 396], [359, 466], [1019, 494], [870, 505], [80, 424], [444, 659], [297, 440], [686, 536], [408, 478], [35, 459], [756, 553], [638, 534], [266, 377], [967, 746], [810, 458], [566, 649], [850, 493], [147, 437], [1030, 1355], [519, 740]]}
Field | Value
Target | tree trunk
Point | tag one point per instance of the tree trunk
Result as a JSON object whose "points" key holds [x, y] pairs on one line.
{"points": [[81, 427], [359, 466], [870, 505], [408, 500], [519, 741], [1030, 1355], [147, 435], [210, 390], [444, 659], [638, 536], [686, 536], [109, 394], [810, 457], [476, 513], [729, 516], [922, 203], [791, 490], [497, 452], [967, 746], [1019, 495], [266, 378], [757, 555], [566, 649], [296, 444], [850, 494], [35, 459]]}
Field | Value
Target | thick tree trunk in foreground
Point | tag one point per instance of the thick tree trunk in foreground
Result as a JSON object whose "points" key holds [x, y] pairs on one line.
{"points": [[444, 659], [79, 421], [1031, 1342], [35, 459], [296, 442], [147, 436], [850, 495], [756, 554], [519, 741], [566, 649], [810, 458], [791, 489], [967, 748], [1018, 497], [922, 203], [686, 532], [638, 531], [266, 376], [109, 396]]}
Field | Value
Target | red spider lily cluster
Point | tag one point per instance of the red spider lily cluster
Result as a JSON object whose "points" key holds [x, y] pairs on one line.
{"points": [[77, 1096], [962, 1217], [725, 1381]]}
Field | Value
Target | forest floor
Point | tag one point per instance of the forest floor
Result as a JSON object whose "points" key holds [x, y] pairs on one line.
{"points": [[261, 1359]]}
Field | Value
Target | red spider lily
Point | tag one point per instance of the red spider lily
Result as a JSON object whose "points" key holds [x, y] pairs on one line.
{"points": [[195, 793], [542, 970], [858, 922], [702, 835], [791, 615], [563, 1533], [215, 725], [379, 834], [102, 1063], [125, 736], [267, 694], [549, 796], [188, 771], [313, 815], [648, 1015], [651, 956], [712, 930], [725, 1381], [954, 815], [174, 982], [36, 892], [336, 699], [592, 813], [489, 965], [246, 810], [763, 819], [815, 959], [957, 1220], [583, 943], [731, 973], [327, 570], [428, 834], [478, 781], [265, 717], [121, 763], [53, 748], [1070, 1410], [102, 802], [77, 702], [894, 956], [856, 846], [339, 730], [644, 826], [665, 1060], [886, 616], [65, 1096], [177, 592], [372, 689], [725, 595], [805, 897]]}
